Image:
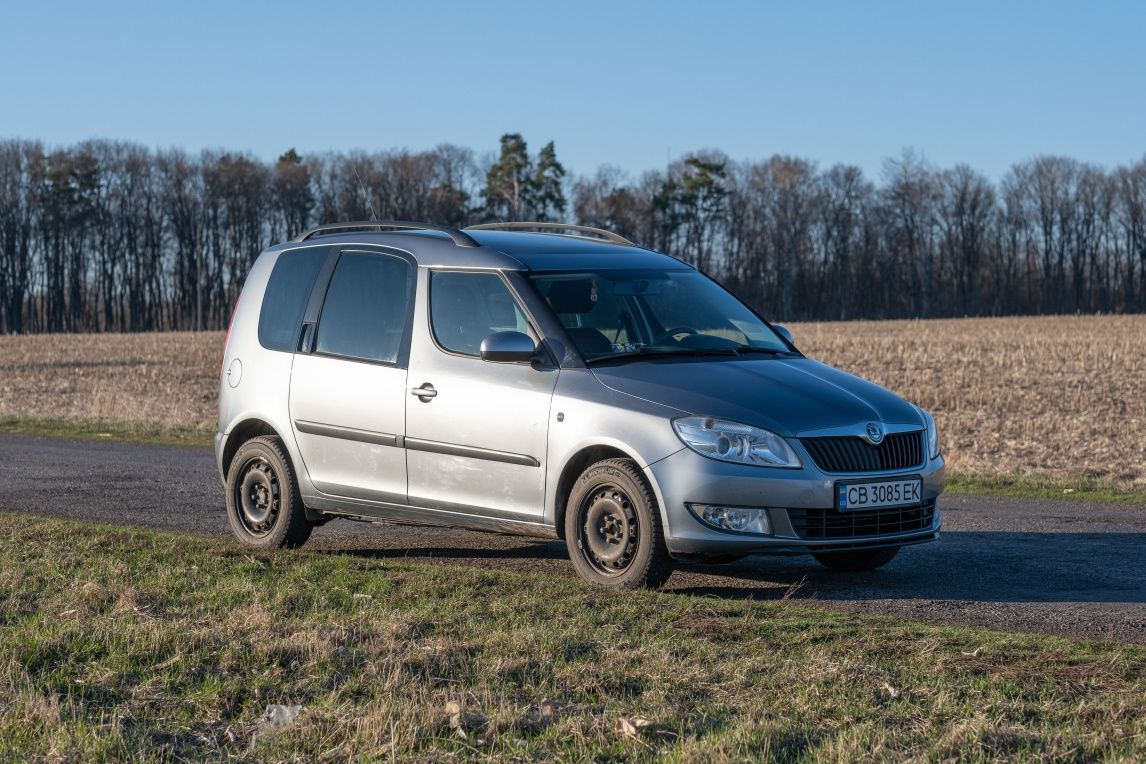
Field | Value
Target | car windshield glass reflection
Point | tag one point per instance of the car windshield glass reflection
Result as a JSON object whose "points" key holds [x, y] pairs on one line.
{"points": [[620, 314]]}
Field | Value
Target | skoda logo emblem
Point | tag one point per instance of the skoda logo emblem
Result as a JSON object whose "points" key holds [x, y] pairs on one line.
{"points": [[874, 433]]}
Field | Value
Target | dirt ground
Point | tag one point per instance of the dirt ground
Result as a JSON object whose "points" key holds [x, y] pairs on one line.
{"points": [[1051, 395]]}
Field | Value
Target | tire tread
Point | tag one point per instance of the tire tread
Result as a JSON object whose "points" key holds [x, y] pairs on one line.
{"points": [[659, 564], [293, 528]]}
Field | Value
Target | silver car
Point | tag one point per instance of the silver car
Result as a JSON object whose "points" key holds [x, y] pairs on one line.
{"points": [[557, 382]]}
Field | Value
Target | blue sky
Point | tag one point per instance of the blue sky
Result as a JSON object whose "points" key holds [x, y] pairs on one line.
{"points": [[628, 84]]}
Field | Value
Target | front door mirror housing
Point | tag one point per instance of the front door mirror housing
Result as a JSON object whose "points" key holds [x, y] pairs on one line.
{"points": [[508, 347], [783, 332]]}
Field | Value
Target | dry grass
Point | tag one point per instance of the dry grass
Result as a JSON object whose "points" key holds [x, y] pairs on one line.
{"points": [[1057, 396], [1060, 395], [162, 378]]}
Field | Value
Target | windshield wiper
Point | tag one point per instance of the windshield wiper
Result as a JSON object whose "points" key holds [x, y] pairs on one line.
{"points": [[748, 349], [653, 352]]}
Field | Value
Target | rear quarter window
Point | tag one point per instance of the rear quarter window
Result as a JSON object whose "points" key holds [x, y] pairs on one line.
{"points": [[285, 298]]}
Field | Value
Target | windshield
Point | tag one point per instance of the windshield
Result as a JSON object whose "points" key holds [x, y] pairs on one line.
{"points": [[614, 313]]}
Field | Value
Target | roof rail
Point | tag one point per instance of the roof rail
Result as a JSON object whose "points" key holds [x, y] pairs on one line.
{"points": [[459, 238], [600, 232]]}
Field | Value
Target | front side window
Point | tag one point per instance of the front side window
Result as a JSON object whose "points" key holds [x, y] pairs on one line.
{"points": [[615, 313], [465, 308], [366, 308], [288, 290]]}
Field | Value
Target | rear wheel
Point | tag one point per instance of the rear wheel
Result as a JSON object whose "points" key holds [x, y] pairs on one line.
{"points": [[867, 559], [613, 528], [263, 503]]}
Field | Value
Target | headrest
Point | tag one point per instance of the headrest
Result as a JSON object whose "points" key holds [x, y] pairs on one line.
{"points": [[573, 296]]}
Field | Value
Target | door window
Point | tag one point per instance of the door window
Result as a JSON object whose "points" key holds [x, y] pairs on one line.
{"points": [[366, 309], [465, 308]]}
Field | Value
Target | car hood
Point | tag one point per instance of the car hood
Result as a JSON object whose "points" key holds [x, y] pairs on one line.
{"points": [[785, 395]]}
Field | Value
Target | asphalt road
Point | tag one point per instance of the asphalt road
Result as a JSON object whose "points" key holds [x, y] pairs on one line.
{"points": [[1055, 566]]}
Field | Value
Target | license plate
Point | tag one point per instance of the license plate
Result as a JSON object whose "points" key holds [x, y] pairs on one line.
{"points": [[885, 493]]}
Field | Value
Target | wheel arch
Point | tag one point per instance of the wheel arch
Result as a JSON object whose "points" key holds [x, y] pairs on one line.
{"points": [[252, 427], [580, 461]]}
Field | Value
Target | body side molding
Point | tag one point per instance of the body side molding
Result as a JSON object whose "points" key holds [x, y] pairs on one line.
{"points": [[414, 444], [348, 433], [449, 449]]}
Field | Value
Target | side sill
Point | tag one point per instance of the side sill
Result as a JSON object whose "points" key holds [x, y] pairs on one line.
{"points": [[424, 516]]}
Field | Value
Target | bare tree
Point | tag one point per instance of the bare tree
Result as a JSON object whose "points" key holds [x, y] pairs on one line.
{"points": [[1130, 214], [909, 195], [111, 236], [966, 209], [17, 211]]}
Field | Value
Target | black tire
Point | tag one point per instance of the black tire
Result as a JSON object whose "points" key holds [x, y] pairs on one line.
{"points": [[613, 528], [263, 503], [852, 562]]}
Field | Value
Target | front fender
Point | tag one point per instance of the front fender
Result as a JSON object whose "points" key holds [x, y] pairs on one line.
{"points": [[583, 409]]}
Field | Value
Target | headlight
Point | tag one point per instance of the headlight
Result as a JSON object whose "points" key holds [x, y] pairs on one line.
{"points": [[735, 442], [932, 433]]}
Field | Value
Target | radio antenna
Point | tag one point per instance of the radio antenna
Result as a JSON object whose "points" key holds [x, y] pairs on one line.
{"points": [[366, 196]]}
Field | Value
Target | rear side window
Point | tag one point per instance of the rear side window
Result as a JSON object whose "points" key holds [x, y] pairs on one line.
{"points": [[366, 308], [288, 290], [465, 308]]}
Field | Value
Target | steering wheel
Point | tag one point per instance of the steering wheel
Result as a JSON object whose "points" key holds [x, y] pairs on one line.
{"points": [[669, 334]]}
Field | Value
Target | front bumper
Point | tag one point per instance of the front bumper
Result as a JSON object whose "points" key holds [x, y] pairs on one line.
{"points": [[686, 477]]}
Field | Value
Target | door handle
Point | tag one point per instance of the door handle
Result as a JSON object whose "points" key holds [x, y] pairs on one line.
{"points": [[425, 392]]}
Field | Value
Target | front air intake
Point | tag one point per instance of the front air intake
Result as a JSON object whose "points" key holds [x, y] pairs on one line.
{"points": [[898, 451], [837, 524]]}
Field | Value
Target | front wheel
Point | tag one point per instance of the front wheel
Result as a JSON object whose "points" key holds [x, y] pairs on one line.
{"points": [[613, 528], [263, 503], [852, 562]]}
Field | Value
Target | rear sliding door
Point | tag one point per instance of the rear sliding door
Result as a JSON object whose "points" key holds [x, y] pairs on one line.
{"points": [[348, 383]]}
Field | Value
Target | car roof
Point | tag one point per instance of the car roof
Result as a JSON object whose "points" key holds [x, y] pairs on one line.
{"points": [[550, 252], [505, 250]]}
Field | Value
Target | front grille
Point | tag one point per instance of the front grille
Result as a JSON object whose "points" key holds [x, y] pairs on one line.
{"points": [[834, 524], [898, 451]]}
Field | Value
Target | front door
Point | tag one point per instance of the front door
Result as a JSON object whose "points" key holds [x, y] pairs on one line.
{"points": [[348, 385], [476, 431]]}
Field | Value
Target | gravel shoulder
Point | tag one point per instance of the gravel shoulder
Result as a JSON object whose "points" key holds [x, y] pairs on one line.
{"points": [[1064, 567]]}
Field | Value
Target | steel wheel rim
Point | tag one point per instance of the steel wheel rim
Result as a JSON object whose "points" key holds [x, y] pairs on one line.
{"points": [[258, 498], [609, 531]]}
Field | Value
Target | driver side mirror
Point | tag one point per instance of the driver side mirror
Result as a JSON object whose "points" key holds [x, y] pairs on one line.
{"points": [[783, 332], [508, 347]]}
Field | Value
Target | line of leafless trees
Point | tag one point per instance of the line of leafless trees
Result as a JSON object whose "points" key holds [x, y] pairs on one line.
{"points": [[110, 236]]}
